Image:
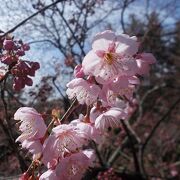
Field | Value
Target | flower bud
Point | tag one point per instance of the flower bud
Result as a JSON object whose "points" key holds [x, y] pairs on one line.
{"points": [[18, 84], [26, 47], [28, 81], [78, 71], [7, 60], [8, 45], [20, 52]]}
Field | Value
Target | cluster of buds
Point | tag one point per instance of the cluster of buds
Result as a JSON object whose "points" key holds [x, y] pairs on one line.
{"points": [[108, 175], [12, 53], [105, 83]]}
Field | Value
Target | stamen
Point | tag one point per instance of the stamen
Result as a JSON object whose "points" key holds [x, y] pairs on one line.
{"points": [[109, 58]]}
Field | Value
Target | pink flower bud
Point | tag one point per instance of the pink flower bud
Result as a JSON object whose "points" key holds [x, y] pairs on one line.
{"points": [[8, 45], [78, 71], [31, 72], [7, 60], [28, 81], [20, 52], [91, 79], [18, 84], [35, 65], [26, 47]]}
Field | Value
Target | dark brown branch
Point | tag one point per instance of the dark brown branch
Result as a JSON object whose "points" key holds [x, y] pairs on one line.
{"points": [[70, 29], [8, 130], [56, 86], [136, 162], [119, 150], [125, 5], [98, 154], [14, 97], [144, 145], [142, 101]]}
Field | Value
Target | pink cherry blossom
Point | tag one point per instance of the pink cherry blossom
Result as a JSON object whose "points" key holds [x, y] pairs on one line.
{"points": [[49, 175], [85, 92], [34, 147], [50, 152], [111, 56], [64, 139], [32, 125], [107, 118], [8, 44], [122, 87], [73, 167], [91, 155], [78, 71], [144, 61], [87, 128]]}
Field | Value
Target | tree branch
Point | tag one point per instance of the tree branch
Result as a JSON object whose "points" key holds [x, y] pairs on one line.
{"points": [[144, 145], [30, 17], [136, 162]]}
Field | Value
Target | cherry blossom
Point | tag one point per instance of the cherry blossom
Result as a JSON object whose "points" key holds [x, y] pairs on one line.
{"points": [[73, 167], [78, 71], [85, 92], [120, 88], [64, 139], [105, 84], [32, 127], [8, 45], [144, 61], [49, 175], [21, 69], [106, 118], [111, 56], [87, 128]]}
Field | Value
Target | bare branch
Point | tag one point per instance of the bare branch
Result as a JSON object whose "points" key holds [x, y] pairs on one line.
{"points": [[144, 145], [30, 17]]}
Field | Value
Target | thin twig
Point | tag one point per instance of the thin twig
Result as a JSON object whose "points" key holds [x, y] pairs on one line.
{"points": [[144, 145], [14, 97], [69, 111], [120, 148], [98, 154], [125, 5], [142, 101], [56, 86], [30, 17], [72, 33], [136, 162]]}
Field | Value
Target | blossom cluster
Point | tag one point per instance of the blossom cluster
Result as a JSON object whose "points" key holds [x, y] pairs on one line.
{"points": [[105, 82], [107, 79], [13, 51]]}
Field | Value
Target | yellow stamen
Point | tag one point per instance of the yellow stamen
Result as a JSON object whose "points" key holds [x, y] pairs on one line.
{"points": [[109, 58]]}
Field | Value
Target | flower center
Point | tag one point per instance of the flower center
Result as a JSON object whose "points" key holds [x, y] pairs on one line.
{"points": [[109, 58]]}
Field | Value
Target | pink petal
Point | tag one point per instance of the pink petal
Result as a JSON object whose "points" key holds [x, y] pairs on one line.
{"points": [[101, 40], [91, 63], [126, 45], [49, 175], [148, 57]]}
